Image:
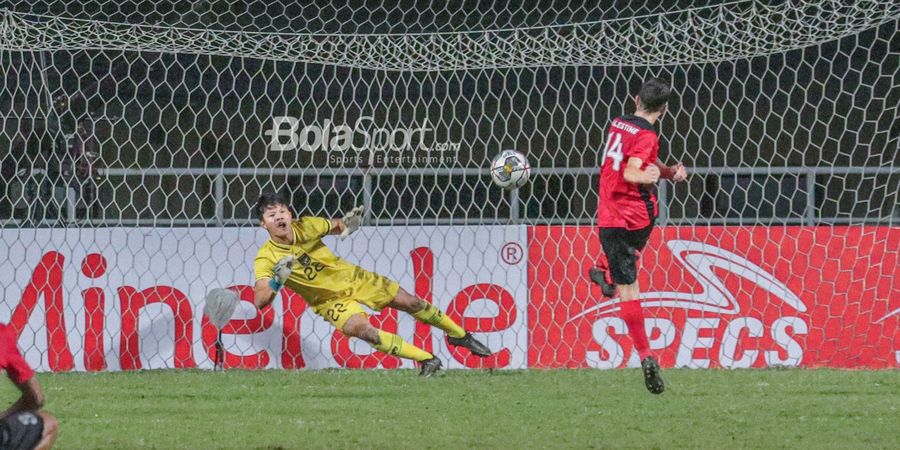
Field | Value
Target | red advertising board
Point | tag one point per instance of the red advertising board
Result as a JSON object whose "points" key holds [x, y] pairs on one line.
{"points": [[723, 297]]}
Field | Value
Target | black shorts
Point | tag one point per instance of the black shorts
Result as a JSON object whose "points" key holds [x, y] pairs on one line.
{"points": [[21, 431], [621, 247]]}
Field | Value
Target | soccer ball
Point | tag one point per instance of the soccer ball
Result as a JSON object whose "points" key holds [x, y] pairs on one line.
{"points": [[510, 169]]}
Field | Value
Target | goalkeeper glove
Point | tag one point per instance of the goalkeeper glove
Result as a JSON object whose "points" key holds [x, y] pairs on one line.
{"points": [[352, 221], [281, 272]]}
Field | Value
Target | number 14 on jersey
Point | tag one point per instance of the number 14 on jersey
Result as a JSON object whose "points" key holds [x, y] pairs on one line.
{"points": [[613, 150]]}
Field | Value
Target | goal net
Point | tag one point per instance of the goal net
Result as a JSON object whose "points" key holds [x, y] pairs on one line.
{"points": [[134, 143]]}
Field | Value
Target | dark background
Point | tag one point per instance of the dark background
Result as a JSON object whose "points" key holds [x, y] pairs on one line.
{"points": [[68, 115]]}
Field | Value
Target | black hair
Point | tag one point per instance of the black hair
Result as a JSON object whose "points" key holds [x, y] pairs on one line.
{"points": [[269, 199], [654, 94]]}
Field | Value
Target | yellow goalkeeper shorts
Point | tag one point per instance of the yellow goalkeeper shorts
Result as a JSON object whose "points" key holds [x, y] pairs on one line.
{"points": [[372, 290]]}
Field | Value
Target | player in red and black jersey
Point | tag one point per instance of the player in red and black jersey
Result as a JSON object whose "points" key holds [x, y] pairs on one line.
{"points": [[23, 425], [627, 210]]}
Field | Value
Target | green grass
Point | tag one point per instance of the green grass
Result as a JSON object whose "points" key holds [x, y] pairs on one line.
{"points": [[467, 409]]}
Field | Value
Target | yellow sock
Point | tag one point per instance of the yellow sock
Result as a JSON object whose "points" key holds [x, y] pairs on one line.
{"points": [[434, 316], [395, 345]]}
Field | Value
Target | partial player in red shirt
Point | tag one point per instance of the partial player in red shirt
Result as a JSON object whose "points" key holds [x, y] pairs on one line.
{"points": [[23, 425], [627, 211]]}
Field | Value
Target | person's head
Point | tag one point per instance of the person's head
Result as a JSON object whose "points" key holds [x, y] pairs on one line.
{"points": [[274, 213], [653, 98]]}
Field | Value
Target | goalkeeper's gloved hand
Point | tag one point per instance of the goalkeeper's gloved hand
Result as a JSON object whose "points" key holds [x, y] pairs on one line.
{"points": [[352, 220], [281, 272]]}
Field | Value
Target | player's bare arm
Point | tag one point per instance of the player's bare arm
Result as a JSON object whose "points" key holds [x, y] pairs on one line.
{"points": [[32, 398], [337, 227], [265, 288], [263, 294], [634, 174]]}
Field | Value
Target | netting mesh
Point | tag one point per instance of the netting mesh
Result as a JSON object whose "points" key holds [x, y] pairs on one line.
{"points": [[684, 37], [363, 17], [173, 114]]}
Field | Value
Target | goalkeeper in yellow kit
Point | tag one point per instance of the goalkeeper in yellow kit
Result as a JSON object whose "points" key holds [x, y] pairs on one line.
{"points": [[294, 256]]}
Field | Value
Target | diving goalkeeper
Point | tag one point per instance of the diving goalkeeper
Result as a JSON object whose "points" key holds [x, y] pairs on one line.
{"points": [[295, 257]]}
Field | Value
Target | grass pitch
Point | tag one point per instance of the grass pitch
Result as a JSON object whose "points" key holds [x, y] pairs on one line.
{"points": [[474, 409]]}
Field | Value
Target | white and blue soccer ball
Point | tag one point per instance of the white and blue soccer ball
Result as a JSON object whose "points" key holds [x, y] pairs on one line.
{"points": [[510, 169]]}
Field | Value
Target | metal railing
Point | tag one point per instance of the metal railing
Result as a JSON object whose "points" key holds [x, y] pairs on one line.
{"points": [[369, 176]]}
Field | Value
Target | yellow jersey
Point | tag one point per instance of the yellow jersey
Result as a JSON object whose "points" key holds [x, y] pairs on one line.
{"points": [[318, 275]]}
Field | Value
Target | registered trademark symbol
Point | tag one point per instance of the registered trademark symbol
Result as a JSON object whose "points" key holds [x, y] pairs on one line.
{"points": [[511, 253]]}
